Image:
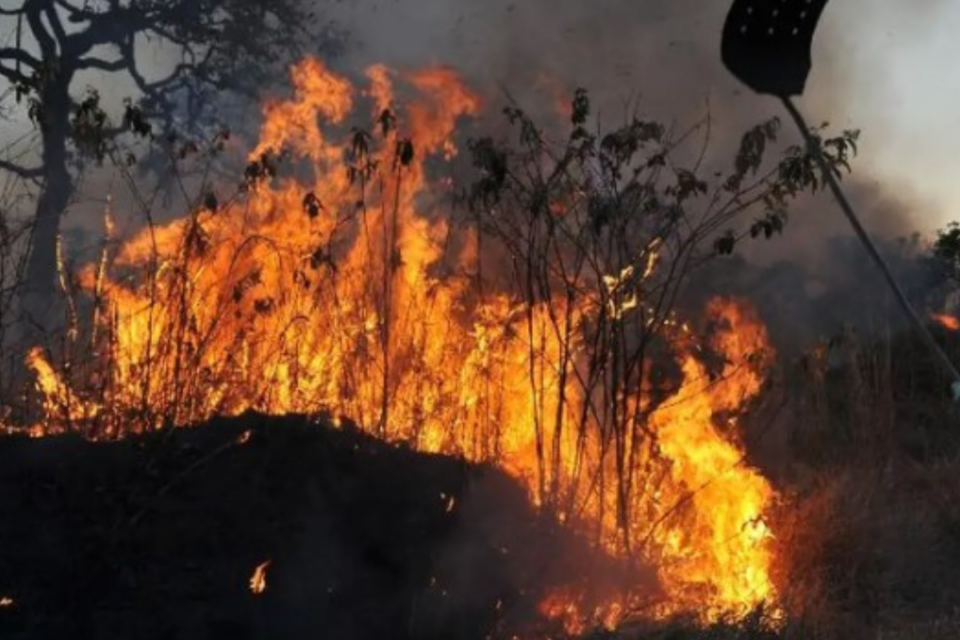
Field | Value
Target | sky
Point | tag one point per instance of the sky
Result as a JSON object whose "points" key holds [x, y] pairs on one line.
{"points": [[887, 67], [906, 96]]}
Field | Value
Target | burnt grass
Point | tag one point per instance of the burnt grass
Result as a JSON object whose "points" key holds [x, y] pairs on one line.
{"points": [[156, 537]]}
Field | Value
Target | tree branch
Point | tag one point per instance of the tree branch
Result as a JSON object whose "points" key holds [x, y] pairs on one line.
{"points": [[54, 19], [102, 65], [32, 10], [12, 12], [74, 15], [109, 27], [23, 172], [152, 89], [13, 75], [21, 56]]}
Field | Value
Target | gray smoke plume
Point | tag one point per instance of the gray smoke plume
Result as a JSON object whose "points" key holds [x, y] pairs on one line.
{"points": [[661, 59]]}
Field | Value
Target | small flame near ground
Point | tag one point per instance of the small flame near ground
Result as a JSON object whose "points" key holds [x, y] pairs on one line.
{"points": [[258, 581], [7, 602], [562, 605], [324, 293], [948, 322]]}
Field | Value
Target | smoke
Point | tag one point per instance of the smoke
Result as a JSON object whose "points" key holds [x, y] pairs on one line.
{"points": [[661, 59]]}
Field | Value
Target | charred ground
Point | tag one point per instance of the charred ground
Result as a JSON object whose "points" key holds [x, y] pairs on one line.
{"points": [[157, 537]]}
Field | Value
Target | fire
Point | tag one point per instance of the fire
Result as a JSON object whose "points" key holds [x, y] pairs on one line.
{"points": [[946, 321], [60, 403], [6, 602], [258, 581], [726, 498], [564, 606], [332, 289]]}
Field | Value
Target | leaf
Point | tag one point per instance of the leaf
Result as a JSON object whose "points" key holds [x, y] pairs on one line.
{"points": [[405, 152], [491, 161], [259, 169], [753, 145], [210, 202], [134, 120], [580, 107], [689, 185], [321, 258], [725, 244], [387, 121], [360, 144], [312, 205]]}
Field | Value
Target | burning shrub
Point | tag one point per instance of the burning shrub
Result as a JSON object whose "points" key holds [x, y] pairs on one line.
{"points": [[540, 335]]}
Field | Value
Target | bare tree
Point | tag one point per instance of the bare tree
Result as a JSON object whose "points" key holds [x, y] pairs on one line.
{"points": [[214, 46]]}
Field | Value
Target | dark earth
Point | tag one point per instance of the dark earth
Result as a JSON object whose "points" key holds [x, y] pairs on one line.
{"points": [[156, 537]]}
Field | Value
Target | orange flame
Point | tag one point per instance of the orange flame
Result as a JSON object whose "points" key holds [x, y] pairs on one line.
{"points": [[727, 498], [258, 581], [332, 292], [948, 322]]}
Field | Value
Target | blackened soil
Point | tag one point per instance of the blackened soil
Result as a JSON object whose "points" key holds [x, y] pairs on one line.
{"points": [[156, 537]]}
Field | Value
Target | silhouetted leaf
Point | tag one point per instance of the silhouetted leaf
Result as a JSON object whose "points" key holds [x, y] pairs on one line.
{"points": [[210, 202], [404, 152], [386, 121], [725, 244], [312, 205], [580, 107]]}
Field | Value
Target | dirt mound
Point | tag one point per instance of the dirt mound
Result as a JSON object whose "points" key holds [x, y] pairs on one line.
{"points": [[157, 537]]}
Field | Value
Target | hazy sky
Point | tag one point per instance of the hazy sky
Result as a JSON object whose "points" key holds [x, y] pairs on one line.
{"points": [[888, 67], [906, 95]]}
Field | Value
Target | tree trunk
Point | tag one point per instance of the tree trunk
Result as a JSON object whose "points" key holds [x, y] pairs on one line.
{"points": [[41, 305]]}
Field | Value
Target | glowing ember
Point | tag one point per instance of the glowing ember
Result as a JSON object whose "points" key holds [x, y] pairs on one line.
{"points": [[565, 607], [6, 602], [947, 322], [258, 581], [562, 606], [335, 292]]}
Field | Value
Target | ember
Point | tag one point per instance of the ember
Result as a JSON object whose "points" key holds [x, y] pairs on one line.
{"points": [[258, 581], [948, 322]]}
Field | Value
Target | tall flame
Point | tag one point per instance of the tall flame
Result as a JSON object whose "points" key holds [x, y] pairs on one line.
{"points": [[331, 289], [727, 498]]}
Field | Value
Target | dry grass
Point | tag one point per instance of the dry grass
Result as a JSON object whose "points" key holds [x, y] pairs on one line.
{"points": [[869, 528]]}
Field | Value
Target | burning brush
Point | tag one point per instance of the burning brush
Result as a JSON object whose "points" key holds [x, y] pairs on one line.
{"points": [[331, 293]]}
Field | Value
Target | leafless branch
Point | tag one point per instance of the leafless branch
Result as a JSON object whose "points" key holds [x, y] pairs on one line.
{"points": [[102, 65], [19, 55], [23, 172]]}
